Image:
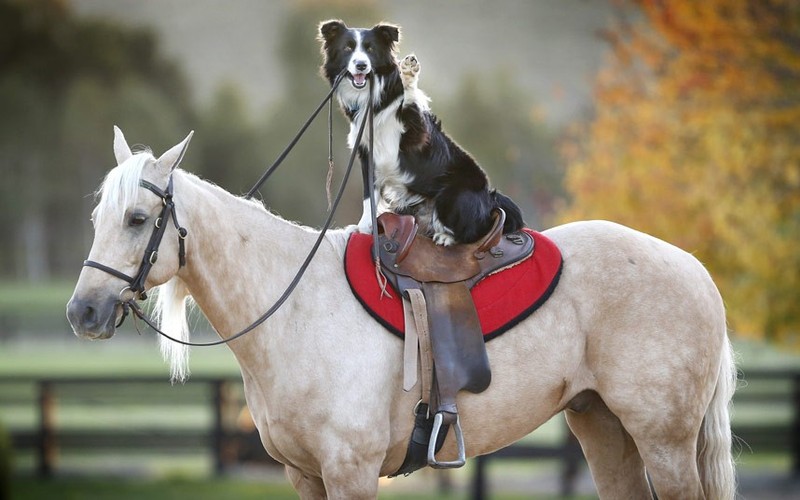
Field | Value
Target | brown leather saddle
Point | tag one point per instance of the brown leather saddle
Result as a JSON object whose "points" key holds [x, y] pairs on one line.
{"points": [[442, 323]]}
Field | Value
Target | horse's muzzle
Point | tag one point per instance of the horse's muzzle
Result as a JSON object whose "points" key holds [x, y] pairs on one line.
{"points": [[93, 320]]}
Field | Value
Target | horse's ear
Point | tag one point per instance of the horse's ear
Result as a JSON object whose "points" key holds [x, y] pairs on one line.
{"points": [[121, 149], [329, 30], [173, 156]]}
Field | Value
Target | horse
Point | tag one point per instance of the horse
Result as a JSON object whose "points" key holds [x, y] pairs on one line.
{"points": [[632, 344]]}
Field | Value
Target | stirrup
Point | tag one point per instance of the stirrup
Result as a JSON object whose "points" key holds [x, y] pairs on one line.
{"points": [[437, 426]]}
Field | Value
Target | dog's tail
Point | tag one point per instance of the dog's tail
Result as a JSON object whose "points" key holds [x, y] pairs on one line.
{"points": [[514, 220]]}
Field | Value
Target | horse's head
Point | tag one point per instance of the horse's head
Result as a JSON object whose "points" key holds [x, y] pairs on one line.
{"points": [[126, 220]]}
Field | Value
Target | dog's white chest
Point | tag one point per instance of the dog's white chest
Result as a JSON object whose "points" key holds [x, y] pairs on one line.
{"points": [[385, 146]]}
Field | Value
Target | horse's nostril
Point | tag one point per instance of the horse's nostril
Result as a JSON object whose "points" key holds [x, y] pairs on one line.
{"points": [[81, 314], [89, 316]]}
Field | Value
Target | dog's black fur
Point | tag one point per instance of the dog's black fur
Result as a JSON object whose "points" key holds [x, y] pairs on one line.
{"points": [[423, 171]]}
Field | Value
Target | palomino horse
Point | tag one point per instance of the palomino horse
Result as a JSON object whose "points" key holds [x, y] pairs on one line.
{"points": [[632, 344]]}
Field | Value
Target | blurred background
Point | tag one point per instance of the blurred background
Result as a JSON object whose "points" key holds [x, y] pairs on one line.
{"points": [[676, 118]]}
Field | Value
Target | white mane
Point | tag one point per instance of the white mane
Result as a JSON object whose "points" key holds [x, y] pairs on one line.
{"points": [[170, 311], [118, 193], [120, 189]]}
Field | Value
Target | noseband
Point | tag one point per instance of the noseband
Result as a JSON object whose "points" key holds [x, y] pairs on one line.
{"points": [[136, 283]]}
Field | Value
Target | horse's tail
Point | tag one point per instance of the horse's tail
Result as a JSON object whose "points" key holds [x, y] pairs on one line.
{"points": [[714, 455]]}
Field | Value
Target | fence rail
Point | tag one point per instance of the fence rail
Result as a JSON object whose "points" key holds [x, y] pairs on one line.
{"points": [[222, 399], [218, 399]]}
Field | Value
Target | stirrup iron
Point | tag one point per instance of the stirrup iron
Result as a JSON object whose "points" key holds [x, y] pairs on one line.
{"points": [[462, 456]]}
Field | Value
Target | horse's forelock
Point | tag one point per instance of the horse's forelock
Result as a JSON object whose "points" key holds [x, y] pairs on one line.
{"points": [[120, 189]]}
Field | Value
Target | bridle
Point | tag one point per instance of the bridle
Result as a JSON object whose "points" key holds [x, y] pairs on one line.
{"points": [[136, 283], [150, 257]]}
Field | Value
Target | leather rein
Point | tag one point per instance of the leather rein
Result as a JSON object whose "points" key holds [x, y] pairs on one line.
{"points": [[136, 284]]}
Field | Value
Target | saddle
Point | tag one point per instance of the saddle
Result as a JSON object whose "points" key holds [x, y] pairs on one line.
{"points": [[443, 331]]}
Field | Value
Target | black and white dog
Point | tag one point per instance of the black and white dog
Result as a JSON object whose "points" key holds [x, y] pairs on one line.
{"points": [[419, 170]]}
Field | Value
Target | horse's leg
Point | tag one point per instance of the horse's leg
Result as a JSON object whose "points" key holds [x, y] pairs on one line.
{"points": [[351, 479], [672, 465], [309, 488], [613, 458]]}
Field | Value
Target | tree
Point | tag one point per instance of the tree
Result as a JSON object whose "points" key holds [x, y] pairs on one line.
{"points": [[63, 83], [499, 125], [231, 152], [695, 140]]}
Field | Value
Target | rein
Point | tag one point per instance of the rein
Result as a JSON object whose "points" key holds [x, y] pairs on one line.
{"points": [[151, 254]]}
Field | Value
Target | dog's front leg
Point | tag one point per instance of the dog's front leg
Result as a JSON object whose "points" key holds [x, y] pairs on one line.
{"points": [[365, 224], [415, 103]]}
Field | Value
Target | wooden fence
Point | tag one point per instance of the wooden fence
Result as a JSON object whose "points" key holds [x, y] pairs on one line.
{"points": [[214, 406], [763, 392]]}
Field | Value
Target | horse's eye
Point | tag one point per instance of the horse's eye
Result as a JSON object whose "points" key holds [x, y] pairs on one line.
{"points": [[137, 219]]}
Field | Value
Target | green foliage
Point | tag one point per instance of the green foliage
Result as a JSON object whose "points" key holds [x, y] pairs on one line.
{"points": [[6, 455], [63, 83], [231, 151], [172, 489], [500, 126]]}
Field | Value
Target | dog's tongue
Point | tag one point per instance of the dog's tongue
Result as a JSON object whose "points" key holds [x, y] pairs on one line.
{"points": [[359, 79]]}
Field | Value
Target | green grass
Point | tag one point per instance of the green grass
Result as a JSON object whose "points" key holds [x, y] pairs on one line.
{"points": [[34, 299], [200, 489], [137, 489], [65, 355]]}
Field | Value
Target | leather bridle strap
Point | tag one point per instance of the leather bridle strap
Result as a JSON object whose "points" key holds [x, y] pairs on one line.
{"points": [[109, 270], [136, 283]]}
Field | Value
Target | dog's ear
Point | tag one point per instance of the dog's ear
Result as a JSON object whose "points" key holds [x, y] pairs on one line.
{"points": [[329, 30], [388, 32]]}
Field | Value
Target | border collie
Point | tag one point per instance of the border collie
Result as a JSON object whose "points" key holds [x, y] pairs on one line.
{"points": [[419, 170]]}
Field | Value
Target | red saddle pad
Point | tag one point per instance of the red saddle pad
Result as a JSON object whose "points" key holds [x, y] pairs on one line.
{"points": [[502, 299]]}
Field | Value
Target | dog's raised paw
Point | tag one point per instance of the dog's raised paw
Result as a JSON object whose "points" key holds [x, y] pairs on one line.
{"points": [[409, 70]]}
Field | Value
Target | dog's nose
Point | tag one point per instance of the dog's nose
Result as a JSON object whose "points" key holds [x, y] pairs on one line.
{"points": [[361, 65]]}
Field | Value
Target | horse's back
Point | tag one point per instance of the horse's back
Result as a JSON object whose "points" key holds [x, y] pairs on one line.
{"points": [[611, 261]]}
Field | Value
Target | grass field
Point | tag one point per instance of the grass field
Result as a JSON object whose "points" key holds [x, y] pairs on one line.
{"points": [[203, 489]]}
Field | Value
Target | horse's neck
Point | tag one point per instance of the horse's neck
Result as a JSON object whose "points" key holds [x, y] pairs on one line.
{"points": [[239, 256]]}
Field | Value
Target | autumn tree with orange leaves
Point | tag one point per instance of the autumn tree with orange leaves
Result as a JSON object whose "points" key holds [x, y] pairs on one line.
{"points": [[696, 140]]}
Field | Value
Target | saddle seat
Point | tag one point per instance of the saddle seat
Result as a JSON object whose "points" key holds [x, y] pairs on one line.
{"points": [[435, 283]]}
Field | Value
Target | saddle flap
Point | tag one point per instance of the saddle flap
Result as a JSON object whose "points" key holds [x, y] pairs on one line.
{"points": [[459, 353]]}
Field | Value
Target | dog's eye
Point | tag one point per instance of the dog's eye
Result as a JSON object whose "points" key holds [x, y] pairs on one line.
{"points": [[350, 46], [137, 219], [368, 46]]}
